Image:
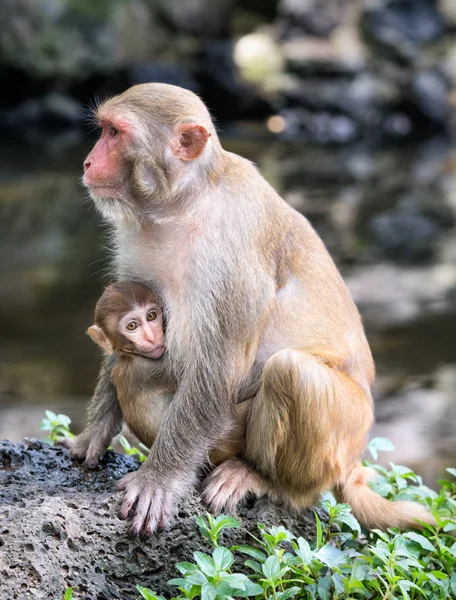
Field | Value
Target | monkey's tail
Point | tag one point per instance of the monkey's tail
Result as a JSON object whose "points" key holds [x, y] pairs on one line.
{"points": [[375, 512]]}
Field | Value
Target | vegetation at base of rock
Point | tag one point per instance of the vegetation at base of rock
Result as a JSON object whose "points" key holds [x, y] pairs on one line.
{"points": [[344, 562]]}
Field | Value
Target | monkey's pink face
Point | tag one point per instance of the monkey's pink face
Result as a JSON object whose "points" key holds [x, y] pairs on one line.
{"points": [[103, 168], [143, 327]]}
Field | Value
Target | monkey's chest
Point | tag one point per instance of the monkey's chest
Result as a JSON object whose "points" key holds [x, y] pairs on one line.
{"points": [[143, 411], [162, 263]]}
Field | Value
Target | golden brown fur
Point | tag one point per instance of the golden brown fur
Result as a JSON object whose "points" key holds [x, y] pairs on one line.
{"points": [[255, 307]]}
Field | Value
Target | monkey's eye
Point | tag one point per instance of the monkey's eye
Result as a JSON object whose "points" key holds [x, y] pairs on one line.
{"points": [[132, 325], [152, 315], [112, 131]]}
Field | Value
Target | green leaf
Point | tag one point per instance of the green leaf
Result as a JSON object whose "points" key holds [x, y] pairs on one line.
{"points": [[196, 578], [271, 568], [453, 583], [68, 595], [253, 589], [379, 444], [251, 551], [349, 520], [147, 594], [421, 540], [359, 570], [323, 588], [223, 558], [206, 564], [208, 592], [303, 551], [255, 566], [406, 586], [288, 593], [330, 556], [226, 522], [452, 472], [319, 530]]}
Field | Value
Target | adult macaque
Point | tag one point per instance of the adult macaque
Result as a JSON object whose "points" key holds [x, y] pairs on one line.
{"points": [[129, 323], [250, 295]]}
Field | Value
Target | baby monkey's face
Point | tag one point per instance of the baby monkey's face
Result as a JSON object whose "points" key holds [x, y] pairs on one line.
{"points": [[143, 327]]}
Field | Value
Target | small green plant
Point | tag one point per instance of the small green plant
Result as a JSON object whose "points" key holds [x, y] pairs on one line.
{"points": [[68, 595], [58, 427], [132, 450], [211, 527]]}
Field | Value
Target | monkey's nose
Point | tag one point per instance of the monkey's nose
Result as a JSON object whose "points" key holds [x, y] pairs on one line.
{"points": [[86, 165]]}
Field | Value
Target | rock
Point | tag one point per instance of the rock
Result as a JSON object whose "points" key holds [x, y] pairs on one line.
{"points": [[390, 295], [315, 17], [431, 91], [405, 235], [448, 10], [59, 528], [52, 37], [322, 127], [402, 26], [202, 17], [221, 87]]}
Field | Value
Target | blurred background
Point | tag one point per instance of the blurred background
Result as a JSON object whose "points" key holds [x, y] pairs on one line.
{"points": [[348, 107]]}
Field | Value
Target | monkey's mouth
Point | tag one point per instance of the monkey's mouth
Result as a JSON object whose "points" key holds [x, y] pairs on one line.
{"points": [[155, 353]]}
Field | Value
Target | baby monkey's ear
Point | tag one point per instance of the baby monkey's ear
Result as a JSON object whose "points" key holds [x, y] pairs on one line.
{"points": [[99, 337]]}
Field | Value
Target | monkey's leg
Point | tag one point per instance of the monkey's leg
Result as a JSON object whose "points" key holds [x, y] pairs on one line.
{"points": [[233, 443], [305, 429], [104, 419]]}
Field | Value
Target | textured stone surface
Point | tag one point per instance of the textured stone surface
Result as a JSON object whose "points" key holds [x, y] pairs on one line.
{"points": [[59, 528]]}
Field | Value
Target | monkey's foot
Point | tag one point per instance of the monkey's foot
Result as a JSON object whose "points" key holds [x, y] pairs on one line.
{"points": [[153, 502], [229, 483]]}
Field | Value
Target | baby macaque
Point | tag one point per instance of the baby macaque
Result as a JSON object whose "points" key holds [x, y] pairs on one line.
{"points": [[129, 323]]}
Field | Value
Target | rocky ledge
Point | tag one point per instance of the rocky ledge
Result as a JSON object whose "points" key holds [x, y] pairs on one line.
{"points": [[59, 528]]}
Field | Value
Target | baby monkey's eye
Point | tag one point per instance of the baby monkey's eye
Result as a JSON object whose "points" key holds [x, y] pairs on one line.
{"points": [[132, 325], [152, 315]]}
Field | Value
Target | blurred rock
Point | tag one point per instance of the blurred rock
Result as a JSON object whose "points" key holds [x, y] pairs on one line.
{"points": [[228, 96], [402, 26], [389, 295], [55, 38], [321, 127], [405, 234], [201, 17], [448, 10], [431, 90], [315, 17]]}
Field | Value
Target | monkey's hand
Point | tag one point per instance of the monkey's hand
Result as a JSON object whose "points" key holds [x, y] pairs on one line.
{"points": [[84, 448], [154, 497]]}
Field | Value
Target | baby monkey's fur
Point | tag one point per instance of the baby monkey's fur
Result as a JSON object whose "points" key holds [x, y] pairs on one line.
{"points": [[145, 386]]}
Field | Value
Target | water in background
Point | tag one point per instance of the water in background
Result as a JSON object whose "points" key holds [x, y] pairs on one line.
{"points": [[387, 216]]}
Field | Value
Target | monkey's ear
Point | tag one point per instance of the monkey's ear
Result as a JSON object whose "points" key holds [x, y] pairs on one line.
{"points": [[189, 141], [98, 336]]}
